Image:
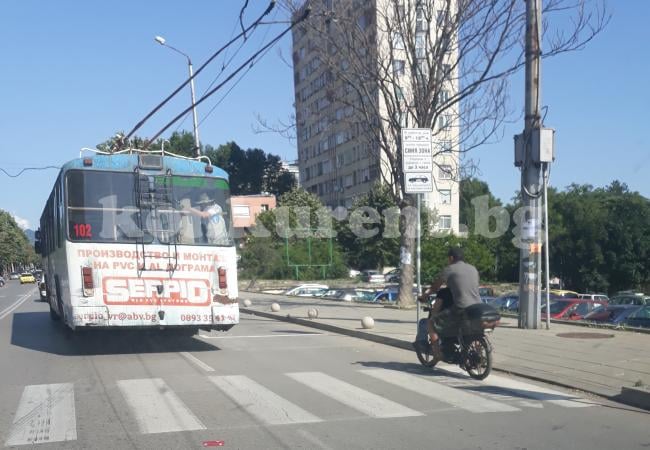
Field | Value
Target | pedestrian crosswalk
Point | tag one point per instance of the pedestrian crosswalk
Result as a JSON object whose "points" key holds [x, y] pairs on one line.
{"points": [[46, 413]]}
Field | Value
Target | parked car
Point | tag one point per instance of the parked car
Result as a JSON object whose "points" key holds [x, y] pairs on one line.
{"points": [[27, 278], [612, 314], [2, 282], [564, 293], [596, 297], [351, 294], [506, 302], [486, 294], [14, 276], [393, 276], [389, 294], [640, 318], [630, 299], [308, 290], [571, 309], [372, 276]]}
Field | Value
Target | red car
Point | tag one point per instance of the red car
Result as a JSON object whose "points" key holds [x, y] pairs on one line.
{"points": [[572, 308]]}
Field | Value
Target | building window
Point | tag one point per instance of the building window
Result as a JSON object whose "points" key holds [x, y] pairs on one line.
{"points": [[445, 196], [444, 96], [420, 20], [444, 222], [444, 121], [445, 146], [264, 207], [240, 211], [420, 45], [445, 172], [398, 67], [398, 41]]}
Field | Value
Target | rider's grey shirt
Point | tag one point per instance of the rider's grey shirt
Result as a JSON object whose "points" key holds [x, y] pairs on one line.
{"points": [[463, 280]]}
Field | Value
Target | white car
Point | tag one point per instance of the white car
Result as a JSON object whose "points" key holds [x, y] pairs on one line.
{"points": [[308, 290]]}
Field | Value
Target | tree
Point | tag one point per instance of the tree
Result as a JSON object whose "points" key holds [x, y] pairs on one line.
{"points": [[15, 248], [366, 249], [598, 237], [470, 189], [442, 65], [295, 239]]}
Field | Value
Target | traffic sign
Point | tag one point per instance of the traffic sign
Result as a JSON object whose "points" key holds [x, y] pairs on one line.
{"points": [[418, 182], [417, 154]]}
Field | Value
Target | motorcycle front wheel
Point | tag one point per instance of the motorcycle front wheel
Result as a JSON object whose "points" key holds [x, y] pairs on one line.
{"points": [[478, 358], [424, 355]]}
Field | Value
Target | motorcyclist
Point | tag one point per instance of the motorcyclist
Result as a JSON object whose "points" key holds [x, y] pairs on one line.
{"points": [[462, 279]]}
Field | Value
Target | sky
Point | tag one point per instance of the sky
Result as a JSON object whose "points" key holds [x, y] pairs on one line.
{"points": [[75, 72]]}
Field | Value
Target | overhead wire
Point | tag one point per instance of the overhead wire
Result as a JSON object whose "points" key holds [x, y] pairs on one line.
{"points": [[25, 169], [230, 77], [186, 82], [266, 32], [225, 63]]}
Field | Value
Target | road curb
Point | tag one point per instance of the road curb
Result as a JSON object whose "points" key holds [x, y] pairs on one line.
{"points": [[332, 328], [631, 397]]}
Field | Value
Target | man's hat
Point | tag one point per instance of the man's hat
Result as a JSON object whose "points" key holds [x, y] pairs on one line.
{"points": [[204, 199]]}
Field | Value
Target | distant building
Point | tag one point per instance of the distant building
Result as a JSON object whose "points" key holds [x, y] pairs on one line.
{"points": [[292, 168], [245, 209], [336, 162]]}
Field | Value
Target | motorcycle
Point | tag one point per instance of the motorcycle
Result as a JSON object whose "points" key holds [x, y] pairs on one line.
{"points": [[469, 347]]}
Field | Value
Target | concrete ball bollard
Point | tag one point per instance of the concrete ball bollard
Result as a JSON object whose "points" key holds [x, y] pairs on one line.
{"points": [[368, 322], [312, 313], [275, 307], [247, 303]]}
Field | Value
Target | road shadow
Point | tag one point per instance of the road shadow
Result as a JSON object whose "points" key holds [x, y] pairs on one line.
{"points": [[36, 331], [470, 384]]}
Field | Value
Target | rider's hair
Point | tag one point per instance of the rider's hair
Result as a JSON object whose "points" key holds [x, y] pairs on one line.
{"points": [[456, 253]]}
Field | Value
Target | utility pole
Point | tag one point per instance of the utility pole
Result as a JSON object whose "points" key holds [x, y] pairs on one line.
{"points": [[533, 149]]}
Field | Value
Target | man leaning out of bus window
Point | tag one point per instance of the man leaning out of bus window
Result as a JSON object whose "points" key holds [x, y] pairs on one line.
{"points": [[213, 223]]}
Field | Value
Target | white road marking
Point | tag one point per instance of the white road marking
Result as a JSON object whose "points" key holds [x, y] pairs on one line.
{"points": [[262, 403], [262, 336], [452, 396], [15, 305], [531, 391], [368, 403], [45, 413], [156, 408], [196, 361]]}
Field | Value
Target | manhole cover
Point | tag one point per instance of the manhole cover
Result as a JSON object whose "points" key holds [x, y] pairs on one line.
{"points": [[585, 335]]}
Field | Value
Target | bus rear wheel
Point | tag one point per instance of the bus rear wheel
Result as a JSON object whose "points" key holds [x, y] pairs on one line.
{"points": [[53, 314]]}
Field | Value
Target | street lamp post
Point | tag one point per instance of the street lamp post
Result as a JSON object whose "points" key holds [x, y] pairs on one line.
{"points": [[162, 42]]}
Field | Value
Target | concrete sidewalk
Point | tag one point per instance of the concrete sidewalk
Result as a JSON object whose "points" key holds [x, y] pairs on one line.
{"points": [[599, 361]]}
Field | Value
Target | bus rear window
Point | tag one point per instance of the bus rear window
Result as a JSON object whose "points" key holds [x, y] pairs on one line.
{"points": [[129, 207]]}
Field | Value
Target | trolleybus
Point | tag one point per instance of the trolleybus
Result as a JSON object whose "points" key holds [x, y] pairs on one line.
{"points": [[141, 240]]}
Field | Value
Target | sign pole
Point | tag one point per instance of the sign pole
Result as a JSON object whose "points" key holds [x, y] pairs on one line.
{"points": [[419, 252]]}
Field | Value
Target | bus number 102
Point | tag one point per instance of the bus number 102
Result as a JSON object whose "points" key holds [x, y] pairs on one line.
{"points": [[82, 230]]}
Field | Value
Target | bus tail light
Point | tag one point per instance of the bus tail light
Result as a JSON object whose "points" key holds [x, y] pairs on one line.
{"points": [[223, 283], [87, 279]]}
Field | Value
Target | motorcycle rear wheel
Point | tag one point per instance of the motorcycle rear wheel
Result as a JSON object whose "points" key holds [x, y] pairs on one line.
{"points": [[478, 358]]}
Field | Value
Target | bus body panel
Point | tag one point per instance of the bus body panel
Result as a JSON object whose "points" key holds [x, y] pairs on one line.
{"points": [[188, 296]]}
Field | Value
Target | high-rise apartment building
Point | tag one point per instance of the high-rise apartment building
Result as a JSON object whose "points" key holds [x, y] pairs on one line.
{"points": [[337, 160]]}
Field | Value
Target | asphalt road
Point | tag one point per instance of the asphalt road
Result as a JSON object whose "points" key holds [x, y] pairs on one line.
{"points": [[268, 384]]}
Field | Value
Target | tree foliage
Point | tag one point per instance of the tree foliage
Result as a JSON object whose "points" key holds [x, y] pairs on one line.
{"points": [[293, 241], [15, 248]]}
